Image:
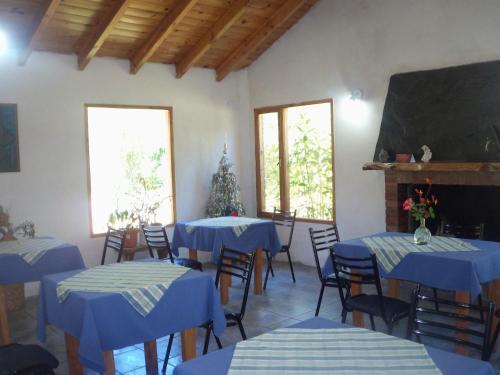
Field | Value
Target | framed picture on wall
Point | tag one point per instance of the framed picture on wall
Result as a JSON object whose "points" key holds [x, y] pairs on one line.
{"points": [[9, 139]]}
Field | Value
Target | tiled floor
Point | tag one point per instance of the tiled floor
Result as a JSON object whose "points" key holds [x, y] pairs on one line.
{"points": [[283, 304]]}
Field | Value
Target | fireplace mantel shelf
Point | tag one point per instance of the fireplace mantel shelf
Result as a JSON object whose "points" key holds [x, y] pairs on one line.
{"points": [[434, 167]]}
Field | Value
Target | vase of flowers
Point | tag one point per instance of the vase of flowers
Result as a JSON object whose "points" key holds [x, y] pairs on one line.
{"points": [[421, 208]]}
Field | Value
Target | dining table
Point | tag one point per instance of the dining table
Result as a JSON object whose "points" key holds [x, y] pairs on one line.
{"points": [[251, 235], [110, 307], [28, 260], [463, 266], [321, 346]]}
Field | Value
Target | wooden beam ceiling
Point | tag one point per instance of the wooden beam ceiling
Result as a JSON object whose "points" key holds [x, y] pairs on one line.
{"points": [[218, 29], [281, 16], [41, 20], [166, 27], [101, 31]]}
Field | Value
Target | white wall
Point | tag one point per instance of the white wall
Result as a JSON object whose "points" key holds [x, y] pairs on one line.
{"points": [[51, 188], [342, 45]]}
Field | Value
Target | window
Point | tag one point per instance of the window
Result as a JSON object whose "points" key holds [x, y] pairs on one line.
{"points": [[130, 165], [301, 135]]}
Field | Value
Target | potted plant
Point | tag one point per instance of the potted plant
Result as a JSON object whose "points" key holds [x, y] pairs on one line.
{"points": [[128, 220]]}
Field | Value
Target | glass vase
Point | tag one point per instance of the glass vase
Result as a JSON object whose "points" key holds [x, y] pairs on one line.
{"points": [[422, 235]]}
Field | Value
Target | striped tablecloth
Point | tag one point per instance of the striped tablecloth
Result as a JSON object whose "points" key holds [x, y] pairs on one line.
{"points": [[390, 251], [300, 351], [31, 250], [142, 284], [238, 224]]}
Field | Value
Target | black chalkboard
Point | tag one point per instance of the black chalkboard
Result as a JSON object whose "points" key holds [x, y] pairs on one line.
{"points": [[455, 111]]}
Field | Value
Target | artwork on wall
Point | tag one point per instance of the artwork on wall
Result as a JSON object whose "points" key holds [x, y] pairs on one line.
{"points": [[9, 140]]}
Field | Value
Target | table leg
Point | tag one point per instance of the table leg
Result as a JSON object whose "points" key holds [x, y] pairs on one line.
{"points": [[357, 316], [394, 288], [72, 348], [193, 254], [188, 343], [493, 293], [224, 287], [109, 362], [151, 357], [4, 323], [461, 297], [257, 273]]}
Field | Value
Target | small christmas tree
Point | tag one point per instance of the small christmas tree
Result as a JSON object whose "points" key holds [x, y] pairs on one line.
{"points": [[225, 196]]}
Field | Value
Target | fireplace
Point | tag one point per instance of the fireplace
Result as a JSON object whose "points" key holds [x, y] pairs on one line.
{"points": [[466, 196]]}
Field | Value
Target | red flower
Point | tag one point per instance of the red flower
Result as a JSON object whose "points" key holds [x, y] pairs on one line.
{"points": [[234, 213], [408, 204]]}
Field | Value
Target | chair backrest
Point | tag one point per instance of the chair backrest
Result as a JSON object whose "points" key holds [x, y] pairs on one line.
{"points": [[472, 232], [321, 240], [460, 323], [157, 239], [285, 219], [238, 264], [362, 271], [115, 239]]}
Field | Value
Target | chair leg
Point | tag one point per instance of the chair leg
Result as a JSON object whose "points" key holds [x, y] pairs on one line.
{"points": [[320, 298], [494, 340], [167, 354], [269, 268], [480, 304], [372, 322], [435, 293], [269, 262], [344, 315], [207, 340], [217, 340], [103, 257], [291, 265], [242, 330]]}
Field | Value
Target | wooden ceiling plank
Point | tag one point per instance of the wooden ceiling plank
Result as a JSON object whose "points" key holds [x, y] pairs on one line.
{"points": [[41, 20], [158, 36], [283, 14], [100, 32], [221, 26]]}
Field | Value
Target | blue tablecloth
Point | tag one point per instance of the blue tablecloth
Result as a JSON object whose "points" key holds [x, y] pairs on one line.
{"points": [[218, 362], [14, 269], [106, 321], [461, 270], [211, 238]]}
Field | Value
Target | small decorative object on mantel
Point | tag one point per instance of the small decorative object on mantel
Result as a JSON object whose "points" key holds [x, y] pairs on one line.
{"points": [[383, 156], [225, 197], [403, 158], [427, 154], [421, 210]]}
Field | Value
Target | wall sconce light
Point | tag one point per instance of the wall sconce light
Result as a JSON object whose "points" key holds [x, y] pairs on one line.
{"points": [[356, 95], [355, 109]]}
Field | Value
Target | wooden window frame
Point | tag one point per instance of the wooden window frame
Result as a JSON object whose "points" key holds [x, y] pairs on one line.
{"points": [[87, 152], [283, 156]]}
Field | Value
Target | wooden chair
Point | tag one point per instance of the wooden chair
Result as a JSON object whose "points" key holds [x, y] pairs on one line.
{"points": [[426, 320], [364, 271], [284, 219], [115, 240], [16, 359], [240, 265], [323, 240]]}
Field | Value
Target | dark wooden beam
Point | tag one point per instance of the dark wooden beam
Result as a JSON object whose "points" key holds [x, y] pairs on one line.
{"points": [[167, 25], [47, 11], [282, 15], [221, 26], [101, 31]]}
